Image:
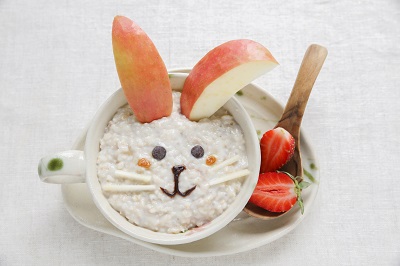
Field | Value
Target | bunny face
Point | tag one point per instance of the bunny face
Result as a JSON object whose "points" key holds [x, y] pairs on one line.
{"points": [[172, 174]]}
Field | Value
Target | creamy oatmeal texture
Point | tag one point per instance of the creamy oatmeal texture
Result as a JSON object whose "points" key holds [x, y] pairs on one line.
{"points": [[126, 142]]}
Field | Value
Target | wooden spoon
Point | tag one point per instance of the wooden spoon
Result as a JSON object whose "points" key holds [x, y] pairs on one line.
{"points": [[292, 115]]}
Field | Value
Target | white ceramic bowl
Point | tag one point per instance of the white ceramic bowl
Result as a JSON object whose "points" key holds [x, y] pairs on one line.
{"points": [[90, 154]]}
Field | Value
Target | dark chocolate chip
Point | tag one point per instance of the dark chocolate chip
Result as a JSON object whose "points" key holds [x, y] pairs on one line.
{"points": [[197, 151], [159, 153]]}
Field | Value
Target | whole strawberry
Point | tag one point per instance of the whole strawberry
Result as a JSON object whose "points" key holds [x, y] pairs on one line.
{"points": [[277, 147], [278, 192]]}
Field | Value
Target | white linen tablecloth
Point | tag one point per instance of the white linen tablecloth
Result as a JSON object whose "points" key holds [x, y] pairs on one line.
{"points": [[57, 67]]}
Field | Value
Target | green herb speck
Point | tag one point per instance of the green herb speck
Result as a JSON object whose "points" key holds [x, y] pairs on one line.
{"points": [[239, 93], [55, 164], [258, 132], [170, 75], [263, 98], [309, 175], [313, 166]]}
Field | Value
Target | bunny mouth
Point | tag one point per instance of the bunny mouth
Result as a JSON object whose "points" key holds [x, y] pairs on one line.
{"points": [[177, 170]]}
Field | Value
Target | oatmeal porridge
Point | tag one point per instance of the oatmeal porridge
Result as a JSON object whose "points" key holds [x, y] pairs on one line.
{"points": [[173, 174]]}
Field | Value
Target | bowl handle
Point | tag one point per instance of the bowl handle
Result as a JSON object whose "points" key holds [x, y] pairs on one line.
{"points": [[63, 168]]}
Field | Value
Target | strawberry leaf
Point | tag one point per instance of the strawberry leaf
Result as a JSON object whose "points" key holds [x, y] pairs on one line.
{"points": [[304, 185], [301, 204], [299, 185]]}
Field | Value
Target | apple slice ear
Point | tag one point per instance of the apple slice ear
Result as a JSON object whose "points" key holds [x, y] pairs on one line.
{"points": [[141, 70], [221, 73]]}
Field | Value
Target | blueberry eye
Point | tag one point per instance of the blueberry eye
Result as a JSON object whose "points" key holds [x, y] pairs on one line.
{"points": [[158, 153], [197, 151]]}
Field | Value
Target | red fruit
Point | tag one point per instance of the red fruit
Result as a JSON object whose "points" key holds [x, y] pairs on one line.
{"points": [[275, 192], [277, 147]]}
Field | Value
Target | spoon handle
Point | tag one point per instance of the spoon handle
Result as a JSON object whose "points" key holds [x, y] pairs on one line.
{"points": [[310, 67]]}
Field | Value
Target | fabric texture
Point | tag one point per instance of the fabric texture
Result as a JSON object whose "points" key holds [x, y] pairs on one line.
{"points": [[57, 68]]}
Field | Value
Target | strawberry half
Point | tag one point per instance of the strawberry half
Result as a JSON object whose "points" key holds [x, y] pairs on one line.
{"points": [[277, 147], [278, 192]]}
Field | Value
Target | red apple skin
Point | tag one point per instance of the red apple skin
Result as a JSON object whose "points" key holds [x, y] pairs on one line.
{"points": [[141, 70], [216, 63]]}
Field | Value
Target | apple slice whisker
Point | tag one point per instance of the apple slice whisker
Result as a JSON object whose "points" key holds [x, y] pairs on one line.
{"points": [[127, 188], [227, 162], [132, 176], [229, 177]]}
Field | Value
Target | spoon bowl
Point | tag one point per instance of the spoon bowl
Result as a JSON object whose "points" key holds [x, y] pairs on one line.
{"points": [[292, 116]]}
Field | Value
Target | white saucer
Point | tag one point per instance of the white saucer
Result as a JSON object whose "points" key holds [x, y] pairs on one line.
{"points": [[242, 234]]}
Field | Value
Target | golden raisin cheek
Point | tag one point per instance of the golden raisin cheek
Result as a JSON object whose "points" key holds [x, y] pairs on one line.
{"points": [[143, 162], [210, 160]]}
